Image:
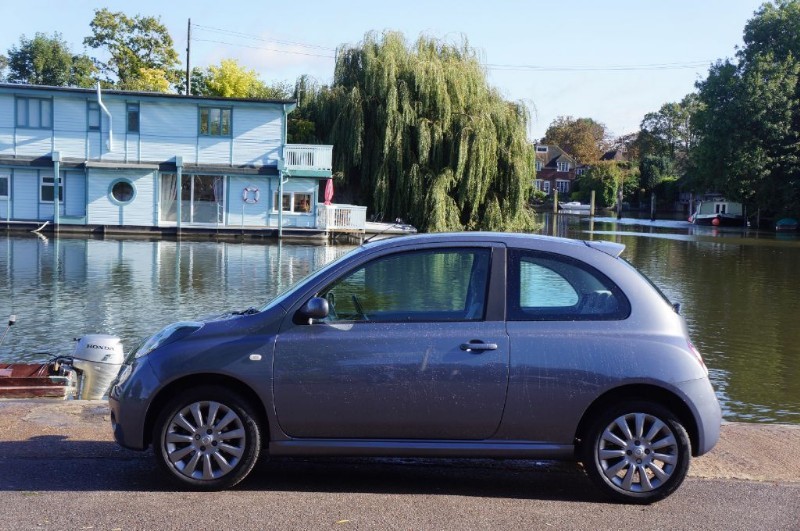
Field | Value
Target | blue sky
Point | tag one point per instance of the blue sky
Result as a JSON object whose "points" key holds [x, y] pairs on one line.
{"points": [[610, 61]]}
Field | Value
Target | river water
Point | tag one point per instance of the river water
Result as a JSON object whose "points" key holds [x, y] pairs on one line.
{"points": [[738, 290]]}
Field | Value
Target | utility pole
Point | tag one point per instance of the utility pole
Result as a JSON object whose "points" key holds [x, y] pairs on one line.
{"points": [[188, 51]]}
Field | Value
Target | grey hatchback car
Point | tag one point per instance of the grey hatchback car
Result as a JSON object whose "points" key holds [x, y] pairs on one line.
{"points": [[444, 345]]}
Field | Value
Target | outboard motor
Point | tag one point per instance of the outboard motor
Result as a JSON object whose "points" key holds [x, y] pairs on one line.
{"points": [[97, 358]]}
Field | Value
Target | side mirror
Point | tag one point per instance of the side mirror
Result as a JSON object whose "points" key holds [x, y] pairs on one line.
{"points": [[314, 308]]}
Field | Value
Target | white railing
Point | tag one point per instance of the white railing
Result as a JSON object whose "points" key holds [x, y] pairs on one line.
{"points": [[308, 157], [341, 217]]}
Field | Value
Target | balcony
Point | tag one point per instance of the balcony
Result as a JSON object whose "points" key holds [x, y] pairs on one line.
{"points": [[341, 218], [307, 160]]}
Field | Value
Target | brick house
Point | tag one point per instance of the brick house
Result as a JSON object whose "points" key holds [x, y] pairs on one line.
{"points": [[555, 169]]}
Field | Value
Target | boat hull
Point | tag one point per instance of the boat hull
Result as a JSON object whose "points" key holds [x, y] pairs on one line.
{"points": [[719, 220], [36, 380]]}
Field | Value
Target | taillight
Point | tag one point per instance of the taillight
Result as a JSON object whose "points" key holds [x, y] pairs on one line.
{"points": [[697, 355]]}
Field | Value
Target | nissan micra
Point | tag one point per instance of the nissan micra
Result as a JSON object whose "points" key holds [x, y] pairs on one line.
{"points": [[441, 345]]}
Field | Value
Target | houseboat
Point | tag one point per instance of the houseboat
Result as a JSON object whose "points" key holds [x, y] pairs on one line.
{"points": [[718, 213], [86, 160]]}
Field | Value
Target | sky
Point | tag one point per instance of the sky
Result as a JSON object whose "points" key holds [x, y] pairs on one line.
{"points": [[610, 61]]}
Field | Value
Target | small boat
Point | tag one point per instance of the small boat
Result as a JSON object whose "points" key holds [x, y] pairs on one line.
{"points": [[38, 380], [573, 206], [718, 213], [786, 225]]}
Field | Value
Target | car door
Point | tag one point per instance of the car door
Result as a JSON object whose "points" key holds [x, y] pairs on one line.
{"points": [[410, 350]]}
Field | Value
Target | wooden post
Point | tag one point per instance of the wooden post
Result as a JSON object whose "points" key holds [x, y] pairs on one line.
{"points": [[591, 204], [652, 206], [555, 201], [619, 202]]}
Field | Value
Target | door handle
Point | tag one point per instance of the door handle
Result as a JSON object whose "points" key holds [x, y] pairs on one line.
{"points": [[476, 345]]}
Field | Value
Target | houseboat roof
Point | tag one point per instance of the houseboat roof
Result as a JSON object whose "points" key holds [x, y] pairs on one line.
{"points": [[18, 87]]}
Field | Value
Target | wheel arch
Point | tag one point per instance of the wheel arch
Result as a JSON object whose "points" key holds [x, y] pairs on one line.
{"points": [[197, 380], [633, 392]]}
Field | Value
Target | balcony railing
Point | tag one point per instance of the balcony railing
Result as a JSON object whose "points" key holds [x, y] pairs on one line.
{"points": [[308, 157], [346, 218]]}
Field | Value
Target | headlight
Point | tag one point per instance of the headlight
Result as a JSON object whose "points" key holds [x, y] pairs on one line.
{"points": [[169, 334]]}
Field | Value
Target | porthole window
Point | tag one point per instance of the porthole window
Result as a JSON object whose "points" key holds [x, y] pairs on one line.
{"points": [[122, 191]]}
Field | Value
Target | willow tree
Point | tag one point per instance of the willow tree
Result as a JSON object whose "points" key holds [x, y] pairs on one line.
{"points": [[419, 134]]}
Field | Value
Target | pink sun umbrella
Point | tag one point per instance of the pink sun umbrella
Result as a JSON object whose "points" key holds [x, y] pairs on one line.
{"points": [[328, 191]]}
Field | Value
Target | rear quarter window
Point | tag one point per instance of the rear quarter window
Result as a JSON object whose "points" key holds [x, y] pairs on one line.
{"points": [[551, 287]]}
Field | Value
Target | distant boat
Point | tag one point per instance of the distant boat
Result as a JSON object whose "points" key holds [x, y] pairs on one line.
{"points": [[573, 206], [718, 213], [786, 225]]}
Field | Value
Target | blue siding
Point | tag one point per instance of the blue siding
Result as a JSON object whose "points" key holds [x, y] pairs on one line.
{"points": [[103, 210], [6, 124], [69, 120], [239, 213], [167, 130], [258, 134], [74, 193], [25, 190]]}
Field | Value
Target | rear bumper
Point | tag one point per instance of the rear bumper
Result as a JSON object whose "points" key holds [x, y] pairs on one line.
{"points": [[702, 400]]}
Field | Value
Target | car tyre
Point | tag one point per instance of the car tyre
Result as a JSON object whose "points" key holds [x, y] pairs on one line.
{"points": [[636, 452], [207, 438]]}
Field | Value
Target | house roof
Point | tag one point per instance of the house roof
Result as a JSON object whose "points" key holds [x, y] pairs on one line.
{"points": [[614, 154], [553, 156], [17, 87]]}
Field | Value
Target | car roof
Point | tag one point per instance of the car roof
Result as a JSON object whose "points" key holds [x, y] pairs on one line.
{"points": [[512, 239]]}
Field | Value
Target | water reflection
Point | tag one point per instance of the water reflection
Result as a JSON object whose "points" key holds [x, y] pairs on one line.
{"points": [[66, 287]]}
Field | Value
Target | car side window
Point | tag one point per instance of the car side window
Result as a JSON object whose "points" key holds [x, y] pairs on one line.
{"points": [[416, 286], [551, 287]]}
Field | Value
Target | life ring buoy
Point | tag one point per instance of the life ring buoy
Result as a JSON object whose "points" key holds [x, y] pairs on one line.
{"points": [[247, 198]]}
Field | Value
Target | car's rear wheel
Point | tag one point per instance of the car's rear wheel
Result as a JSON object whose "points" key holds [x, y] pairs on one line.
{"points": [[207, 438], [637, 452]]}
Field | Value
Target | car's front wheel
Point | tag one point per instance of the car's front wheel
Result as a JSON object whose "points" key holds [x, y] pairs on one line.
{"points": [[637, 452], [207, 438]]}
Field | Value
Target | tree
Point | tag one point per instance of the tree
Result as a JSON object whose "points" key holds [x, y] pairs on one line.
{"points": [[749, 125], [232, 80], [604, 179], [3, 66], [582, 138], [655, 169], [669, 132], [47, 60], [419, 134], [132, 44]]}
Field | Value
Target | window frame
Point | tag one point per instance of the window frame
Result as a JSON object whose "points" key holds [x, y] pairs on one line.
{"points": [[114, 183], [292, 202], [5, 177], [207, 121], [516, 313], [478, 252], [562, 166], [26, 101], [562, 183], [133, 107], [93, 109], [43, 185]]}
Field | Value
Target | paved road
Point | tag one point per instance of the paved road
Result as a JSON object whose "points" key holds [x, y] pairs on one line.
{"points": [[60, 470]]}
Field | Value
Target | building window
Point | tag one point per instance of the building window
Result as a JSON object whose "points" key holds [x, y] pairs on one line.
{"points": [[93, 117], [580, 171], [563, 166], [35, 113], [133, 117], [562, 186], [546, 186], [297, 202], [541, 149], [122, 191], [215, 121], [4, 185], [46, 193], [538, 165], [537, 185]]}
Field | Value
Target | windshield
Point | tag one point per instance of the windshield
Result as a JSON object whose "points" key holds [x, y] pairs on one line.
{"points": [[289, 290]]}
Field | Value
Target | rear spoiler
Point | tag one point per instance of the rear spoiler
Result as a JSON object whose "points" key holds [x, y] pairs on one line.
{"points": [[610, 248]]}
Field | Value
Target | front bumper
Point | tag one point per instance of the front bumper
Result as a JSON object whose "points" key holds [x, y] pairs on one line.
{"points": [[129, 403]]}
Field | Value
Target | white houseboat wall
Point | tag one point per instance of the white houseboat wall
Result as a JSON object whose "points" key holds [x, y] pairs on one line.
{"points": [[124, 158]]}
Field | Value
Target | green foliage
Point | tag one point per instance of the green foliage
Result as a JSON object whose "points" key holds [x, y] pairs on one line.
{"points": [[604, 178], [750, 123], [419, 134], [133, 45], [46, 60], [670, 132], [583, 138], [654, 169], [3, 67]]}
